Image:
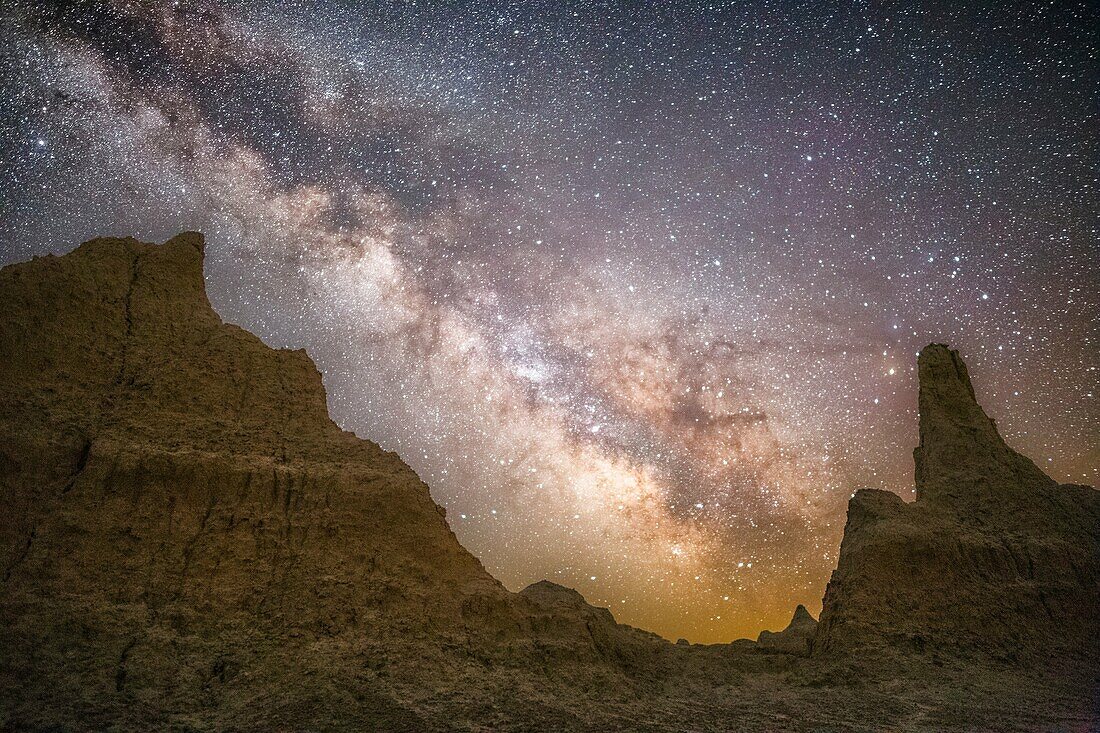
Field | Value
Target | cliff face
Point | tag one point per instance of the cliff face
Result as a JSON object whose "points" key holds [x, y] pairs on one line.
{"points": [[187, 531], [179, 507], [993, 558], [236, 450]]}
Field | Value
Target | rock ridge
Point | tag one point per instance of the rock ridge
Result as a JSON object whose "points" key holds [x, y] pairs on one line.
{"points": [[796, 638]]}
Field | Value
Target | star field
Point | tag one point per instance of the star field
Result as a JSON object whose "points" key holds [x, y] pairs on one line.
{"points": [[636, 291]]}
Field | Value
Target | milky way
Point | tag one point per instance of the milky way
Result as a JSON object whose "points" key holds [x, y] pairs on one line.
{"points": [[637, 292]]}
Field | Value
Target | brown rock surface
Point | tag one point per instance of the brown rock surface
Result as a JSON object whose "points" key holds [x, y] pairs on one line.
{"points": [[795, 639], [190, 543], [179, 503], [992, 559]]}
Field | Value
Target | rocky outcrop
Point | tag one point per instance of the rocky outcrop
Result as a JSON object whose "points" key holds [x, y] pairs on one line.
{"points": [[993, 558], [180, 509], [795, 639]]}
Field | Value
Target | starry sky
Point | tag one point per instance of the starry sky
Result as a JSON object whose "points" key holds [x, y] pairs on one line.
{"points": [[637, 290]]}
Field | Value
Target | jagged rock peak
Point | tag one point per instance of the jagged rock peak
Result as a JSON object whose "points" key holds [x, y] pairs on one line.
{"points": [[961, 454], [795, 638], [548, 592], [801, 616], [994, 558]]}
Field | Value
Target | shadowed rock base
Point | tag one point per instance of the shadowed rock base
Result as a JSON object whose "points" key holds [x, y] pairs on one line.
{"points": [[190, 543]]}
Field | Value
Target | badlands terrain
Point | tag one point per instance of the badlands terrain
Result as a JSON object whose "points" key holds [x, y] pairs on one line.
{"points": [[189, 543]]}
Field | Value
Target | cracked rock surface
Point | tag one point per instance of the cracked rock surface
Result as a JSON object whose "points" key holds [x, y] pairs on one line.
{"points": [[190, 543]]}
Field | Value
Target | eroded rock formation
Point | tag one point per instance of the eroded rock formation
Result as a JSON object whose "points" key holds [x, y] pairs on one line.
{"points": [[993, 558], [190, 543], [795, 639], [179, 505]]}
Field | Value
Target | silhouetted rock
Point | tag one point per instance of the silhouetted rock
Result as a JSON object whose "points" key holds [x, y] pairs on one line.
{"points": [[993, 558], [180, 509], [795, 639]]}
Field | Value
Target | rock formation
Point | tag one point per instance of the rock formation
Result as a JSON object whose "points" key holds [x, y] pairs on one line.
{"points": [[189, 536], [190, 543], [993, 558], [178, 502], [795, 639]]}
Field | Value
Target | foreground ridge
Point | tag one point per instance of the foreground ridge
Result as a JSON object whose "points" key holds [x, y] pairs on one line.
{"points": [[190, 542]]}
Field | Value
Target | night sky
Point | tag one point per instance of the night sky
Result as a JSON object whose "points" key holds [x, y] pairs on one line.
{"points": [[637, 292]]}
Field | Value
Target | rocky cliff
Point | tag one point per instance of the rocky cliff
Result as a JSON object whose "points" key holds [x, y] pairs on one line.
{"points": [[993, 558], [190, 543], [185, 525], [179, 505]]}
